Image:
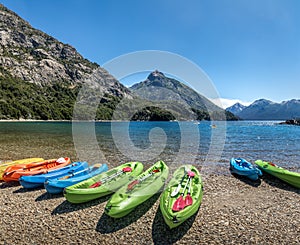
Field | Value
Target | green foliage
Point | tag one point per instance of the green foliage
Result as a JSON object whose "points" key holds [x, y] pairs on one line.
{"points": [[201, 114], [153, 113], [215, 115], [107, 107], [19, 99], [230, 116], [23, 100]]}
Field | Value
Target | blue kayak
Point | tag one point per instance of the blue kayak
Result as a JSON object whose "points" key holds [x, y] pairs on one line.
{"points": [[57, 185], [244, 168], [34, 181]]}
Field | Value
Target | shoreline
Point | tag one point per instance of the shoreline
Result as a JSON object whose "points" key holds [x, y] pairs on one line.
{"points": [[32, 120], [36, 120], [194, 121], [233, 210]]}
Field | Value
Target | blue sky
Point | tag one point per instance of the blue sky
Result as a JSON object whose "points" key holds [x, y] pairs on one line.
{"points": [[249, 49]]}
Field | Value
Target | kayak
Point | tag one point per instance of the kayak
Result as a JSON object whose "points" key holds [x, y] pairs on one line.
{"points": [[292, 178], [5, 165], [244, 168], [137, 190], [14, 172], [102, 184], [34, 181], [183, 196], [57, 185]]}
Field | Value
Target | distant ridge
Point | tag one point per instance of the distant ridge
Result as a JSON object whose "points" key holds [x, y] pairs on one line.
{"points": [[263, 109]]}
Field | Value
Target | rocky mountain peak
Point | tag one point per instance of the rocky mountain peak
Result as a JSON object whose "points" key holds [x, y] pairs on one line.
{"points": [[292, 101], [236, 108], [156, 75], [158, 87], [262, 102]]}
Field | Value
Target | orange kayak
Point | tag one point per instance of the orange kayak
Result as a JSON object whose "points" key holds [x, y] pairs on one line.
{"points": [[5, 165], [14, 172]]}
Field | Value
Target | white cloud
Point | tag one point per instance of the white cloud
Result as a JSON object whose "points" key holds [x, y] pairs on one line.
{"points": [[225, 103]]}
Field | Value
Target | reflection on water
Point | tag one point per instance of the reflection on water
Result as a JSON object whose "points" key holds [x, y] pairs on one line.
{"points": [[160, 140]]}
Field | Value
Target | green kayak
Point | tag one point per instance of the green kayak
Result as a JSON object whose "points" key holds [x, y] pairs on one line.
{"points": [[182, 197], [293, 178], [137, 191], [102, 184]]}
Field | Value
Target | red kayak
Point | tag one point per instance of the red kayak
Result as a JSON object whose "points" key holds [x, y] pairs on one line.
{"points": [[14, 172]]}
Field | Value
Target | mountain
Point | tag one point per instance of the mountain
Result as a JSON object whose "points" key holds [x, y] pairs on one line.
{"points": [[267, 110], [178, 97], [236, 108], [35, 57], [43, 78], [40, 77]]}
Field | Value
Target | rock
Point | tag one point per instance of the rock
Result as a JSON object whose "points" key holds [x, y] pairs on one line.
{"points": [[292, 122], [22, 44]]}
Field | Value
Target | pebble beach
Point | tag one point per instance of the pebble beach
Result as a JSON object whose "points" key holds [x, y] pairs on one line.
{"points": [[233, 211], [152, 102]]}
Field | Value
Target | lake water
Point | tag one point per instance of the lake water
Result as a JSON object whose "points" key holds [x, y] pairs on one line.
{"points": [[173, 142]]}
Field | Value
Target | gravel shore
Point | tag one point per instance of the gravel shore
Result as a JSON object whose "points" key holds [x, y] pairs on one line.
{"points": [[234, 211]]}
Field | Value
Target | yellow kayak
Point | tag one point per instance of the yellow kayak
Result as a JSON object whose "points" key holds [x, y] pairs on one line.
{"points": [[5, 165]]}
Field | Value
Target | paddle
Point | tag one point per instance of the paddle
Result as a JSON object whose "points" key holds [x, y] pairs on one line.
{"points": [[98, 165], [179, 204], [100, 182], [135, 182], [175, 192], [188, 198]]}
